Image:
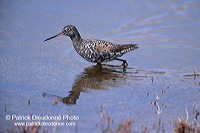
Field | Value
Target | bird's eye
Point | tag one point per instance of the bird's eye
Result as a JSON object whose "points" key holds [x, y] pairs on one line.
{"points": [[67, 29]]}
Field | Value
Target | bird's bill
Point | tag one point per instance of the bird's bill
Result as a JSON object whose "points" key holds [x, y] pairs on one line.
{"points": [[60, 34]]}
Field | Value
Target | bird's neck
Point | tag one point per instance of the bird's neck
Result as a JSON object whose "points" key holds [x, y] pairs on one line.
{"points": [[76, 38]]}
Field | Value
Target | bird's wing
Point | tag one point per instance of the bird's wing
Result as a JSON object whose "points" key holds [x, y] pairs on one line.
{"points": [[108, 47]]}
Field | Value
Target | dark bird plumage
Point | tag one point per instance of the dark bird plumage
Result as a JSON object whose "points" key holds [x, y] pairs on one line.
{"points": [[96, 51]]}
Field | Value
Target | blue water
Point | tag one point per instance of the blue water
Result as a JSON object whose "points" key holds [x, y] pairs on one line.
{"points": [[165, 63]]}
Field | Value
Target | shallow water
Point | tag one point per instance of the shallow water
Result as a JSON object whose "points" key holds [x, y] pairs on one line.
{"points": [[52, 79]]}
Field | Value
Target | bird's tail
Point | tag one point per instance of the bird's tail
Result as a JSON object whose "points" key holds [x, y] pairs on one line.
{"points": [[126, 48]]}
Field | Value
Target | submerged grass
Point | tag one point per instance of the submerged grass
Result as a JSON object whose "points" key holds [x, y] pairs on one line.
{"points": [[183, 127]]}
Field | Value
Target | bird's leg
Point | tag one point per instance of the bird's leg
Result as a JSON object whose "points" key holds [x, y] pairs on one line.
{"points": [[124, 64], [99, 66]]}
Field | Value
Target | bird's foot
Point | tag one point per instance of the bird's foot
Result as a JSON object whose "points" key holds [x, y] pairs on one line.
{"points": [[124, 65]]}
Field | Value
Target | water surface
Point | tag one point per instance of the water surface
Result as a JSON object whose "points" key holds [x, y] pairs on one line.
{"points": [[52, 79]]}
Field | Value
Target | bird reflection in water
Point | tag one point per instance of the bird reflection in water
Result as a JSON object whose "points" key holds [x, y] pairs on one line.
{"points": [[93, 77]]}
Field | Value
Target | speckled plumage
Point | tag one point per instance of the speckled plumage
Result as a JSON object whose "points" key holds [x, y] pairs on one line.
{"points": [[96, 51]]}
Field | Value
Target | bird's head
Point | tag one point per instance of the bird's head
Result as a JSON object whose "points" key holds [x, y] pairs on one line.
{"points": [[68, 30]]}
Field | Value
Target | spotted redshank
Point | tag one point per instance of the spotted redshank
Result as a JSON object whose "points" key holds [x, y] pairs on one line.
{"points": [[96, 51]]}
